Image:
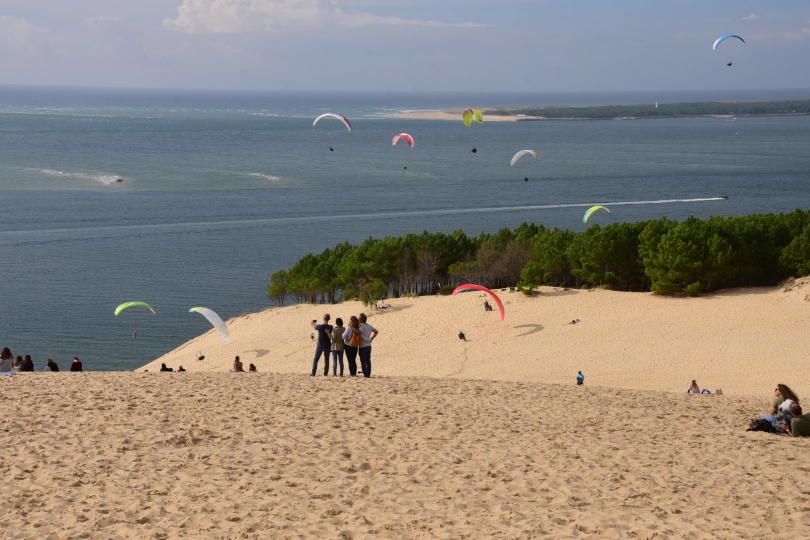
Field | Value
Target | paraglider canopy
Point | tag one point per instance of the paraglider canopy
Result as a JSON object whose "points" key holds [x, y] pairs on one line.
{"points": [[127, 305], [405, 137], [215, 320], [472, 114], [591, 210], [522, 153], [334, 115], [473, 287], [721, 39]]}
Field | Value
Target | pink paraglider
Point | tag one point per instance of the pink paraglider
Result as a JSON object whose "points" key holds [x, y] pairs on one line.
{"points": [[470, 286], [405, 137]]}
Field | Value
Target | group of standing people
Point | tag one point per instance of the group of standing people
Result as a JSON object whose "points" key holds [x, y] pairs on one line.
{"points": [[9, 365], [354, 340]]}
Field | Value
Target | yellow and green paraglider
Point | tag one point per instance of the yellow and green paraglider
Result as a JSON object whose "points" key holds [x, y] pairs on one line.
{"points": [[472, 114], [127, 305], [593, 209]]}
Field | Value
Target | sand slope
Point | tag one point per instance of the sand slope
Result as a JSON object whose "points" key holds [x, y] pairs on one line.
{"points": [[133, 455], [743, 341]]}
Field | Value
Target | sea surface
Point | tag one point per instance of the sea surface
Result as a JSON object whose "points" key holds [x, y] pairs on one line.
{"points": [[220, 190]]}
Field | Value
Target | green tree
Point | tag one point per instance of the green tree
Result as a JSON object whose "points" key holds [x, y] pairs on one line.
{"points": [[277, 289]]}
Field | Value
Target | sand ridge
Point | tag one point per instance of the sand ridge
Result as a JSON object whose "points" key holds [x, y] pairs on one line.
{"points": [[743, 340], [205, 455]]}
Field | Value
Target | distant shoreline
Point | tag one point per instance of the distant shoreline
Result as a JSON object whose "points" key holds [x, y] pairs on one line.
{"points": [[718, 109]]}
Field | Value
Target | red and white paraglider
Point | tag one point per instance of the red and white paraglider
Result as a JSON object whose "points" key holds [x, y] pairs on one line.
{"points": [[473, 287], [405, 137]]}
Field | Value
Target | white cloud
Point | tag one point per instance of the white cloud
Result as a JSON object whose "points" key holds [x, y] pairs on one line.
{"points": [[18, 33], [749, 18], [237, 16]]}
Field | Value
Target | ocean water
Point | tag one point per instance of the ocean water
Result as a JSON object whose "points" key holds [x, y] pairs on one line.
{"points": [[220, 190]]}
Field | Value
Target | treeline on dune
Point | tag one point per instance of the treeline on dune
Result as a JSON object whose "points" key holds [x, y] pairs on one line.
{"points": [[663, 110], [690, 257]]}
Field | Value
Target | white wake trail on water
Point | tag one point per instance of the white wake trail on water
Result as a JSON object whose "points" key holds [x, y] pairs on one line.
{"points": [[49, 235], [101, 177]]}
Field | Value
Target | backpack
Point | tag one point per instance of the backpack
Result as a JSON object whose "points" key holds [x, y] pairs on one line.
{"points": [[760, 424]]}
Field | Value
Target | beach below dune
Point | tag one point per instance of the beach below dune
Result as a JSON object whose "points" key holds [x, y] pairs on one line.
{"points": [[742, 341], [455, 114], [192, 455]]}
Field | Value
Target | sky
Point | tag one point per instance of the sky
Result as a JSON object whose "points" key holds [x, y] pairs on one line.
{"points": [[401, 45]]}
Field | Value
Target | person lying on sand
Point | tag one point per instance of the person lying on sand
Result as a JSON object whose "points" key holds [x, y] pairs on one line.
{"points": [[799, 424]]}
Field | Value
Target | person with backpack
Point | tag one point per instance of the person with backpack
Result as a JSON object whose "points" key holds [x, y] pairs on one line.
{"points": [[324, 346]]}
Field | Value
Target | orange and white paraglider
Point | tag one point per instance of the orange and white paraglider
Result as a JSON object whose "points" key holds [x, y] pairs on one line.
{"points": [[473, 287]]}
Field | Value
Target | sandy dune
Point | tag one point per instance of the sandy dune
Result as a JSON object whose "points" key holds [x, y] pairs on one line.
{"points": [[488, 438], [743, 341], [195, 455]]}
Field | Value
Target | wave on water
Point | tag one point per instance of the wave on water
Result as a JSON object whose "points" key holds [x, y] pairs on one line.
{"points": [[103, 178], [265, 176]]}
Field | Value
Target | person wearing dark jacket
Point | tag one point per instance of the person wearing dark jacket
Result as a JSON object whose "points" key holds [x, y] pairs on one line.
{"points": [[27, 364]]}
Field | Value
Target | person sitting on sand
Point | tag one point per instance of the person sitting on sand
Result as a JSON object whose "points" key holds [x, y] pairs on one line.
{"points": [[6, 362], [18, 363], [782, 415], [181, 368], [237, 366], [27, 364], [76, 365], [780, 394], [799, 425], [50, 365], [164, 368], [580, 378], [694, 388], [252, 369]]}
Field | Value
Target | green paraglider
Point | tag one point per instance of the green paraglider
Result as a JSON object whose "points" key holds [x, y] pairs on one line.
{"points": [[472, 114], [127, 305]]}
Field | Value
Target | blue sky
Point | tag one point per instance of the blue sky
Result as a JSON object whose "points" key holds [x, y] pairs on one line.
{"points": [[439, 45]]}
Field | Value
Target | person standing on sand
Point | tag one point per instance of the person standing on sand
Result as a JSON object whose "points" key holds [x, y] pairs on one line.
{"points": [[369, 333], [580, 378], [76, 365], [337, 346], [324, 345], [6, 362], [352, 338]]}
